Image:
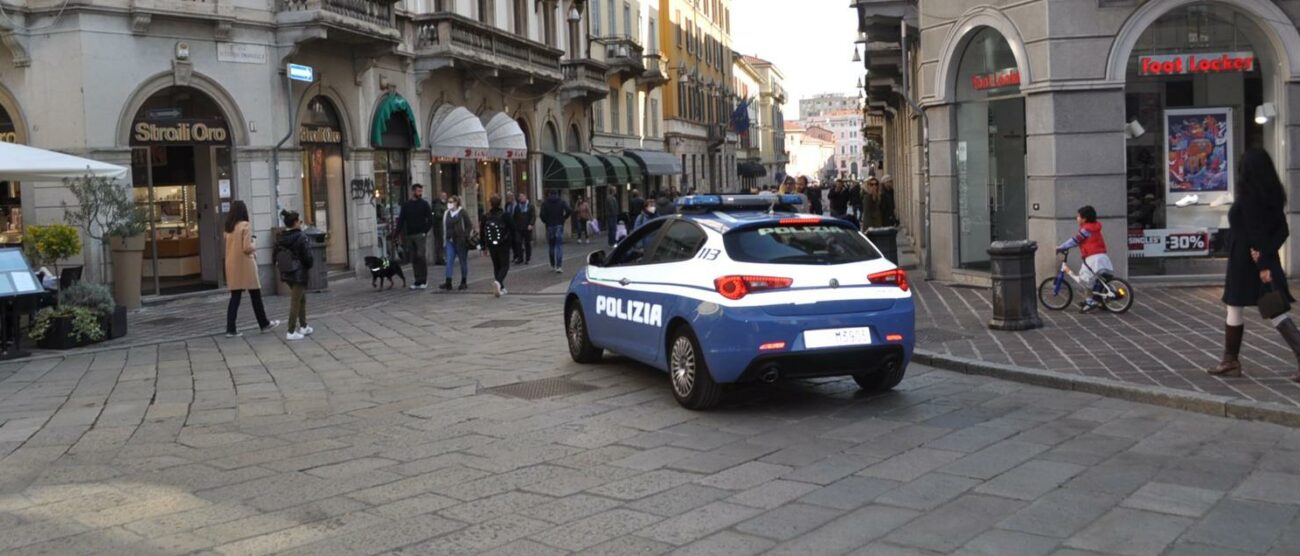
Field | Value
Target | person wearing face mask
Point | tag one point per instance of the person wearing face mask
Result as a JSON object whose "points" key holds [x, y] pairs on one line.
{"points": [[456, 225], [647, 214]]}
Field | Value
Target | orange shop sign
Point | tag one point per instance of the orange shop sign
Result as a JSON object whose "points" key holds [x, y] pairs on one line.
{"points": [[1207, 62], [1009, 77]]}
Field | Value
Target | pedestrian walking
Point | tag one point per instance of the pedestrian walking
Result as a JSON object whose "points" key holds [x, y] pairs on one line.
{"points": [[457, 226], [415, 221], [439, 208], [611, 215], [855, 200], [814, 193], [582, 215], [496, 233], [555, 212], [522, 220], [839, 199], [664, 204], [241, 269], [293, 260], [888, 210], [1257, 229], [872, 205], [635, 204]]}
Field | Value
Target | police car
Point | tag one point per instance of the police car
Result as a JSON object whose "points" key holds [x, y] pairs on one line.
{"points": [[742, 288]]}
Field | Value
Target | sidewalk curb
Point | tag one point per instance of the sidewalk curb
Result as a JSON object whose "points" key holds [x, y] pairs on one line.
{"points": [[1209, 404]]}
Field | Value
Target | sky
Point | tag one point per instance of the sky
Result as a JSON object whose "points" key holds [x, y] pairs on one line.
{"points": [[810, 41]]}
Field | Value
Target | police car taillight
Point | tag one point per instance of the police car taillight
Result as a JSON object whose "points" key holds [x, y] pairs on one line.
{"points": [[897, 277], [736, 287]]}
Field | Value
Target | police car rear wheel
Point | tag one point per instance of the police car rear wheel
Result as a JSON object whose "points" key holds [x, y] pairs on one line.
{"points": [[693, 386], [882, 380], [580, 346]]}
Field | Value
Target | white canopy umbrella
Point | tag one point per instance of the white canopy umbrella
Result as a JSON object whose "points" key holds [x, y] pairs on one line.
{"points": [[457, 133], [24, 163]]}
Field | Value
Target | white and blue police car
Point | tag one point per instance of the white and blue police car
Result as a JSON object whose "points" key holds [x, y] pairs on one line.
{"points": [[742, 288]]}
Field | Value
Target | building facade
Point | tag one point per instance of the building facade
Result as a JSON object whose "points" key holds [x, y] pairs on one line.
{"points": [[819, 105], [747, 83], [469, 97], [699, 101], [812, 152], [1036, 108], [850, 140], [769, 124]]}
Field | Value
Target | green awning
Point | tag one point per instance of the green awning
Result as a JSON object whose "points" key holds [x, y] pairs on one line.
{"points": [[634, 174], [595, 169], [392, 104], [562, 171], [615, 168]]}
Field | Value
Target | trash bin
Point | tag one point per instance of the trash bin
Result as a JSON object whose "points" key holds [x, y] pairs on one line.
{"points": [[318, 275], [886, 239], [1015, 300]]}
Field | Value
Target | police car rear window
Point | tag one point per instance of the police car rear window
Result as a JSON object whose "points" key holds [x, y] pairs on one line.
{"points": [[816, 244]]}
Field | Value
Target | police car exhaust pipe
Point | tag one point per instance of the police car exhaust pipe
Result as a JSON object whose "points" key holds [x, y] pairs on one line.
{"points": [[770, 374]]}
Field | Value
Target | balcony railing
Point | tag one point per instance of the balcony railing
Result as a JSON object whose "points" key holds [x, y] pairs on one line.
{"points": [[584, 78], [623, 55], [654, 75], [361, 20], [442, 38]]}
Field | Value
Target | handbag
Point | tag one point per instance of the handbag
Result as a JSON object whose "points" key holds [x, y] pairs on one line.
{"points": [[1271, 303]]}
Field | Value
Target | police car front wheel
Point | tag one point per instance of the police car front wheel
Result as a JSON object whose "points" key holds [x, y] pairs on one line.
{"points": [[693, 386], [575, 327]]}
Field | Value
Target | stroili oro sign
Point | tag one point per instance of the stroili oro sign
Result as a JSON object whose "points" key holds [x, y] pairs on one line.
{"points": [[179, 132], [319, 135], [1205, 62]]}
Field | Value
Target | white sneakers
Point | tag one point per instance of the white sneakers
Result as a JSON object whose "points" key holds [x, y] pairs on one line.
{"points": [[299, 334], [497, 289], [559, 270], [293, 336], [1188, 200]]}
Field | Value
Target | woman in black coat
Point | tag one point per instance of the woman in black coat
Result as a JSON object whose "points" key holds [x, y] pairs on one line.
{"points": [[1257, 229]]}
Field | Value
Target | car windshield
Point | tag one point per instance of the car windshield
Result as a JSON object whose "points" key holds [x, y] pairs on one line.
{"points": [[815, 244]]}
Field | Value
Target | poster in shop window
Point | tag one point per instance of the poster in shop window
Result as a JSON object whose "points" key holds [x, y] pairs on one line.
{"points": [[1198, 151]]}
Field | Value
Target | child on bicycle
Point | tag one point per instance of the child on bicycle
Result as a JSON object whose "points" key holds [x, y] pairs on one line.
{"points": [[1093, 247]]}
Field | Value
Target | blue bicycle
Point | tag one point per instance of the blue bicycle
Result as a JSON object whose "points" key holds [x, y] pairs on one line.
{"points": [[1115, 294]]}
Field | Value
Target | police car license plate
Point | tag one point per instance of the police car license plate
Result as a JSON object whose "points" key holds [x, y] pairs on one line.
{"points": [[836, 337]]}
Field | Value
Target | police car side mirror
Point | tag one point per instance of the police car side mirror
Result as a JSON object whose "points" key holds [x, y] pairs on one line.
{"points": [[596, 259]]}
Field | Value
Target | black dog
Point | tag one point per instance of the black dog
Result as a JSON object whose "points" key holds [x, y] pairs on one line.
{"points": [[384, 268]]}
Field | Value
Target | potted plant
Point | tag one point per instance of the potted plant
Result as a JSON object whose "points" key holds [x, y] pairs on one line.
{"points": [[47, 245], [65, 327], [99, 299], [107, 212]]}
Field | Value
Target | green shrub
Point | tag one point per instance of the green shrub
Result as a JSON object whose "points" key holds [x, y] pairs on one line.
{"points": [[96, 297], [85, 323], [51, 244]]}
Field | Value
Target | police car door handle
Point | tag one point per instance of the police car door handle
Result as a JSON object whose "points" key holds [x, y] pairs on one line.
{"points": [[624, 282]]}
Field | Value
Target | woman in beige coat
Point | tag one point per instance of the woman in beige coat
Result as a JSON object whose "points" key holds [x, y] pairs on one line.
{"points": [[241, 269]]}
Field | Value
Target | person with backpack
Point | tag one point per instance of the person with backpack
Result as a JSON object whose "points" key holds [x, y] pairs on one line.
{"points": [[457, 228], [293, 260], [555, 211], [498, 238]]}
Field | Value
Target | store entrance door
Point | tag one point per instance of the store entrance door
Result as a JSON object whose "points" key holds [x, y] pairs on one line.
{"points": [[1008, 213], [211, 175]]}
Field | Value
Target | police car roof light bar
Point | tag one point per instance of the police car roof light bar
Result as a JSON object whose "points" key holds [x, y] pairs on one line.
{"points": [[738, 201]]}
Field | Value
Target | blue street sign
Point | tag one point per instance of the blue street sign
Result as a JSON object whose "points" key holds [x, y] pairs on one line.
{"points": [[301, 73]]}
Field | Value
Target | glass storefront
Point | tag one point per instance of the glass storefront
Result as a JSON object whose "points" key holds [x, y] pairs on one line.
{"points": [[990, 150], [182, 173], [321, 139], [393, 137], [1195, 86], [11, 198]]}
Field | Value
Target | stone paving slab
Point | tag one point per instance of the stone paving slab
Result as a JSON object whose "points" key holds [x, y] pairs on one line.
{"points": [[379, 435]]}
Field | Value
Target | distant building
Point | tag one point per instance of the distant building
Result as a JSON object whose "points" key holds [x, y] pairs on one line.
{"points": [[846, 126], [823, 104], [812, 150], [761, 156]]}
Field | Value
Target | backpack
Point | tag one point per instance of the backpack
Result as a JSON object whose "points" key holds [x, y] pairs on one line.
{"points": [[285, 262], [494, 231]]}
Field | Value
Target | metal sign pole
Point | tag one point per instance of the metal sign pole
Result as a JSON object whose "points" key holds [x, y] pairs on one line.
{"points": [[153, 219]]}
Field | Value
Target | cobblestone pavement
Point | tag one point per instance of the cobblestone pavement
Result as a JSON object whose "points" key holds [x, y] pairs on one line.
{"points": [[401, 428], [1169, 338]]}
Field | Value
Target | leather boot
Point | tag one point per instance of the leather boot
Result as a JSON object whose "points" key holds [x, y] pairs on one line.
{"points": [[1292, 336], [1230, 366], [446, 286]]}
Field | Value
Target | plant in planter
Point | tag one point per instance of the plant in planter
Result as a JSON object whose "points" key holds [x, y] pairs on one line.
{"points": [[98, 299], [65, 327], [107, 212], [47, 245]]}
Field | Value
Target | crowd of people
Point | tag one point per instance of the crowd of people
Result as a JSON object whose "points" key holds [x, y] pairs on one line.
{"points": [[868, 203]]}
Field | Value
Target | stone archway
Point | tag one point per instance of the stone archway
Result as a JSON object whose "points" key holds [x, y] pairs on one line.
{"points": [[234, 117], [960, 36]]}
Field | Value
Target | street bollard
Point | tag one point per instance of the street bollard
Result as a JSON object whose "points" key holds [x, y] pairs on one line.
{"points": [[1015, 300], [886, 240]]}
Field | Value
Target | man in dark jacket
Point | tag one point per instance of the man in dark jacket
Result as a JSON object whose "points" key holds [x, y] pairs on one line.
{"points": [[611, 215], [439, 209], [555, 211], [634, 206], [664, 205], [293, 260], [522, 220], [415, 221]]}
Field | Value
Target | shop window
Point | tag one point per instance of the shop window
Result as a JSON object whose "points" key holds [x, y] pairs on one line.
{"points": [[990, 149], [1195, 80]]}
